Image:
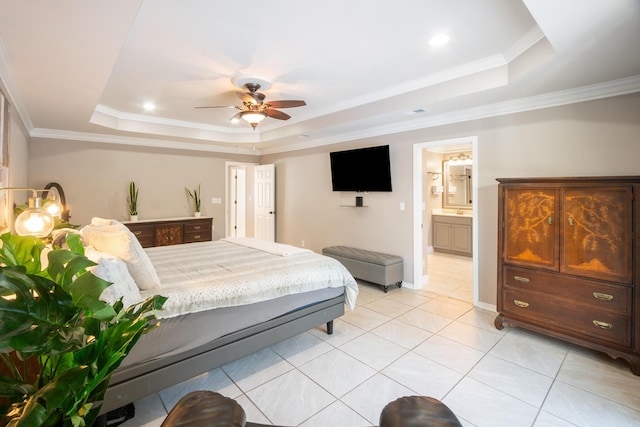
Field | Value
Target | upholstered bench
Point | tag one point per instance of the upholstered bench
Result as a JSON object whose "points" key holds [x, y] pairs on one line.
{"points": [[375, 267]]}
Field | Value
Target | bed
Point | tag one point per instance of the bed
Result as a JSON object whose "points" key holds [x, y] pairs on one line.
{"points": [[226, 299]]}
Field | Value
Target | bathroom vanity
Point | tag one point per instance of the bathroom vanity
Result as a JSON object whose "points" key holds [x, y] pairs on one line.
{"points": [[452, 231]]}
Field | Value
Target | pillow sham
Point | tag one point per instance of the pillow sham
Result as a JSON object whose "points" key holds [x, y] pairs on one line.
{"points": [[114, 270], [117, 240]]}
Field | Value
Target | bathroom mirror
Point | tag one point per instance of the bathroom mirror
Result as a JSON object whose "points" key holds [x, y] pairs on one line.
{"points": [[458, 179]]}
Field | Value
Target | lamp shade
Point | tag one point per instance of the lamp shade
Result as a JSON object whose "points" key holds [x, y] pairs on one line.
{"points": [[34, 221], [253, 117], [53, 207]]}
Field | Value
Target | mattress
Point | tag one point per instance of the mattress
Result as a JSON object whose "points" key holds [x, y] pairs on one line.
{"points": [[209, 275]]}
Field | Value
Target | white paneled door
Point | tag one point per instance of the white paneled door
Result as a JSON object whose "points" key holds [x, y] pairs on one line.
{"points": [[237, 209], [265, 202]]}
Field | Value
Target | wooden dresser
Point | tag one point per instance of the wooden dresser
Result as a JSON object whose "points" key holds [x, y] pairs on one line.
{"points": [[568, 261], [164, 232]]}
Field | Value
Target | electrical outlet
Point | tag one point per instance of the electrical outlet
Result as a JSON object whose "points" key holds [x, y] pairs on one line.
{"points": [[302, 243]]}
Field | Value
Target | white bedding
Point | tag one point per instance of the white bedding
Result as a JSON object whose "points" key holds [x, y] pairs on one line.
{"points": [[201, 276]]}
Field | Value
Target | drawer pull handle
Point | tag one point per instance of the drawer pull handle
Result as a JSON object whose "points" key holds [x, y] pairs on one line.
{"points": [[197, 236], [521, 279], [603, 325], [521, 303], [601, 296], [137, 233], [197, 227]]}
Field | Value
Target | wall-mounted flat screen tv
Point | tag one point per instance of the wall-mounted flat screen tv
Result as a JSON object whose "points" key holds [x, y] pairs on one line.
{"points": [[361, 170]]}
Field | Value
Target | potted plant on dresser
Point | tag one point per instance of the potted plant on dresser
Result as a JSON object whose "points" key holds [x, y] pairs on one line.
{"points": [[132, 201], [59, 342], [197, 200]]}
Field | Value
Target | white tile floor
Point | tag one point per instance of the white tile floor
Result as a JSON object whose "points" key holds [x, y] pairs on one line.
{"points": [[418, 343], [450, 275]]}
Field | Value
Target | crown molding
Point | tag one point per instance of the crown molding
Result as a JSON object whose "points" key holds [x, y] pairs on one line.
{"points": [[554, 99], [142, 142]]}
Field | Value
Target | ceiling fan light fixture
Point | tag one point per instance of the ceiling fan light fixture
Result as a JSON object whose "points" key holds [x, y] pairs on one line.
{"points": [[253, 117]]}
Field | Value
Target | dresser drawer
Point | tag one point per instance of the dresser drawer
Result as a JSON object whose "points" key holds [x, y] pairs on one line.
{"points": [[589, 324], [200, 236], [599, 295], [144, 234], [198, 226]]}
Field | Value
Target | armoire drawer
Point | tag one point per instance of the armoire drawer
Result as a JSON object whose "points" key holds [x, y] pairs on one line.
{"points": [[599, 295], [573, 320]]}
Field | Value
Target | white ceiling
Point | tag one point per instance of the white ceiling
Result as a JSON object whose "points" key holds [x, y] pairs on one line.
{"points": [[78, 69]]}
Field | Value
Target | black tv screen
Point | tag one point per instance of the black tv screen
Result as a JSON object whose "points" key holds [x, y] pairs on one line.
{"points": [[363, 169]]}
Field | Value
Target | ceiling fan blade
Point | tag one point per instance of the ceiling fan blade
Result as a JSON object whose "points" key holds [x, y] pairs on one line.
{"points": [[251, 97], [286, 104], [218, 106], [235, 117], [275, 114]]}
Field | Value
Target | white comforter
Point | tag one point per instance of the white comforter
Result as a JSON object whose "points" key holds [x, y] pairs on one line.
{"points": [[206, 275]]}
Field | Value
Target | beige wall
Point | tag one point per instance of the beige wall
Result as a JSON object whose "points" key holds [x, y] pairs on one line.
{"points": [[95, 178], [591, 138], [18, 155]]}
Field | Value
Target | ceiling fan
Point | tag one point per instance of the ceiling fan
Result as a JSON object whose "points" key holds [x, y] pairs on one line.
{"points": [[255, 109]]}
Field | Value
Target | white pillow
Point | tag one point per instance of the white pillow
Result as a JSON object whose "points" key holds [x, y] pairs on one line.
{"points": [[113, 269], [103, 221], [117, 240]]}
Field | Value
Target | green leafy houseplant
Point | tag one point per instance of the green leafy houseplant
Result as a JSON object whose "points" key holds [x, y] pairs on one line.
{"points": [[195, 196], [133, 199], [53, 321]]}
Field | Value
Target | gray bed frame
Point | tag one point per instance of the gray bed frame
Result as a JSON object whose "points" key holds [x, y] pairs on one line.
{"points": [[169, 371]]}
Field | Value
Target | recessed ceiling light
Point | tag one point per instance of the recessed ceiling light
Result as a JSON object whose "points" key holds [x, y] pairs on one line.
{"points": [[149, 106], [439, 40]]}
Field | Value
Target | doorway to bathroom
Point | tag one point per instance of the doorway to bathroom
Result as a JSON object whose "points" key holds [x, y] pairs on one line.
{"points": [[445, 217]]}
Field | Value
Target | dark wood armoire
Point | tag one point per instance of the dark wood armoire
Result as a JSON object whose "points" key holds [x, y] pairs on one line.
{"points": [[568, 257]]}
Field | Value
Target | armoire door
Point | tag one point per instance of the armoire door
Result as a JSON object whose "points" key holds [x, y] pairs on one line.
{"points": [[530, 236], [596, 232]]}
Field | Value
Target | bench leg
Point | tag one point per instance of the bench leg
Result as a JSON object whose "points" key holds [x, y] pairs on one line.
{"points": [[330, 327]]}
